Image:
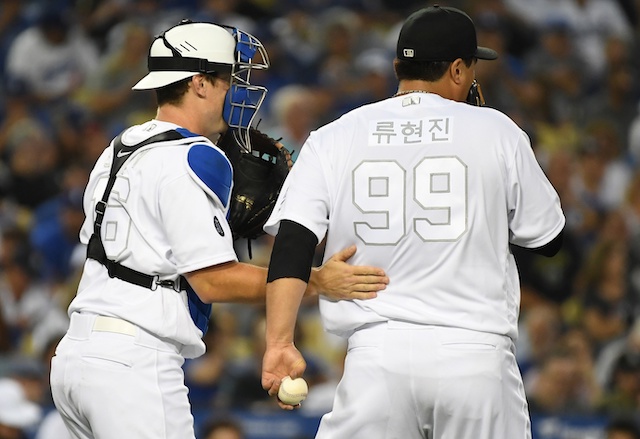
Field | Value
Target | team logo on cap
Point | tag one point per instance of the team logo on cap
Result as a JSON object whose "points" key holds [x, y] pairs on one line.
{"points": [[408, 53]]}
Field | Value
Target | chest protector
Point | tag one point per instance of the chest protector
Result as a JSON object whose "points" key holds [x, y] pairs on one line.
{"points": [[200, 312]]}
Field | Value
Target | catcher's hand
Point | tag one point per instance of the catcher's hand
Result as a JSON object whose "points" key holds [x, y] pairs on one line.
{"points": [[258, 177]]}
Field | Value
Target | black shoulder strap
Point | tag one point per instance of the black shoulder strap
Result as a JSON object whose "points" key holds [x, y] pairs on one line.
{"points": [[95, 249]]}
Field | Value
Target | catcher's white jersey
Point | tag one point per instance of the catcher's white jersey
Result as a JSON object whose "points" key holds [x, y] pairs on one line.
{"points": [[165, 218], [433, 191]]}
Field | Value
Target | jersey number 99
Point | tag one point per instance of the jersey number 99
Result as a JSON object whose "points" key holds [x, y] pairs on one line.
{"points": [[436, 210]]}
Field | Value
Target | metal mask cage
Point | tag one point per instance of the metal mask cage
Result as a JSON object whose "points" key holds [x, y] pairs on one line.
{"points": [[244, 99]]}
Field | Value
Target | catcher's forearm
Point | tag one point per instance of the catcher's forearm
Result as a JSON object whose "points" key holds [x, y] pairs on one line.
{"points": [[237, 282], [230, 282]]}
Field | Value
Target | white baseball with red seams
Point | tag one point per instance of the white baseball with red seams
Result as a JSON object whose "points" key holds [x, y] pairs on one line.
{"points": [[293, 391]]}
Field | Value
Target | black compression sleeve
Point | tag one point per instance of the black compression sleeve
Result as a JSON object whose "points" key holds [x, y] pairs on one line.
{"points": [[292, 254], [551, 248]]}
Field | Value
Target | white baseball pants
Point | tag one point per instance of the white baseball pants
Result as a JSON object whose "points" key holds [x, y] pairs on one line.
{"points": [[112, 380], [407, 381]]}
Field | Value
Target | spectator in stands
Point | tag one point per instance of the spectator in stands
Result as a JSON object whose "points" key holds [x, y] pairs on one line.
{"points": [[225, 12], [240, 382], [52, 427], [294, 116], [533, 12], [53, 57], [557, 65], [616, 99], [98, 17], [32, 158], [378, 80], [202, 375], [222, 428], [26, 303], [610, 355], [609, 306], [107, 94], [296, 35], [538, 332], [586, 185], [592, 23], [338, 75], [622, 428], [18, 415], [633, 146], [502, 79], [6, 345], [17, 111], [56, 227], [581, 347], [624, 393], [616, 168], [12, 22], [558, 387], [29, 373]]}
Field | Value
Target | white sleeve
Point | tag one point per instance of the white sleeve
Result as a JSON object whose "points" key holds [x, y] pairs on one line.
{"points": [[304, 197], [535, 215], [195, 226]]}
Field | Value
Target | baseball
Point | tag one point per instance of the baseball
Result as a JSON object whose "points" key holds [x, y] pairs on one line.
{"points": [[293, 392]]}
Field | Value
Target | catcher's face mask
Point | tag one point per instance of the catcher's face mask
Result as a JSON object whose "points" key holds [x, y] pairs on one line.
{"points": [[243, 99]]}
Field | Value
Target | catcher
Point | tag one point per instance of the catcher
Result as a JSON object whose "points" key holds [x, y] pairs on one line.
{"points": [[160, 249]]}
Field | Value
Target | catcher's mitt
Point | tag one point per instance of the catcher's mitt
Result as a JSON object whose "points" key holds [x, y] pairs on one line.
{"points": [[257, 179]]}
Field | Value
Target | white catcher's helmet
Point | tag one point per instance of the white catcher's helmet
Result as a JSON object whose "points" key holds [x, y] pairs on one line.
{"points": [[190, 48]]}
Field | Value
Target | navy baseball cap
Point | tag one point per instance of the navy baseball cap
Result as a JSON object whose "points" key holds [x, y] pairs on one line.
{"points": [[440, 33]]}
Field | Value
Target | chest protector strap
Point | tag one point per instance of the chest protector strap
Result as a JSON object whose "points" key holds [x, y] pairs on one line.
{"points": [[95, 249]]}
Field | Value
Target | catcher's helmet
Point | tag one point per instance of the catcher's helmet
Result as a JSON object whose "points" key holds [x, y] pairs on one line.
{"points": [[190, 48]]}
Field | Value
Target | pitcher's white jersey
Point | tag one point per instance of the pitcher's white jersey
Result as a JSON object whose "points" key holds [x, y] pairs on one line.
{"points": [[166, 216], [432, 191]]}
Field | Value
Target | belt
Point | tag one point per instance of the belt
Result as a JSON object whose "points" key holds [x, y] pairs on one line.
{"points": [[82, 325], [113, 324]]}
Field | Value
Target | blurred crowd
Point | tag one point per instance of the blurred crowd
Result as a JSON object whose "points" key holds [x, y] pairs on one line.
{"points": [[567, 73]]}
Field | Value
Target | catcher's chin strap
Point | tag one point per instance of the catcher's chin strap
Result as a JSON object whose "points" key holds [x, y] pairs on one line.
{"points": [[95, 249]]}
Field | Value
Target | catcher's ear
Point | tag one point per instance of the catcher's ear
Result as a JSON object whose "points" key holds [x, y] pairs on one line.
{"points": [[198, 83]]}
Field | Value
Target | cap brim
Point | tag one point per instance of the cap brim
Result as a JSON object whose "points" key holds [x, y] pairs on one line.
{"points": [[160, 79], [486, 53]]}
